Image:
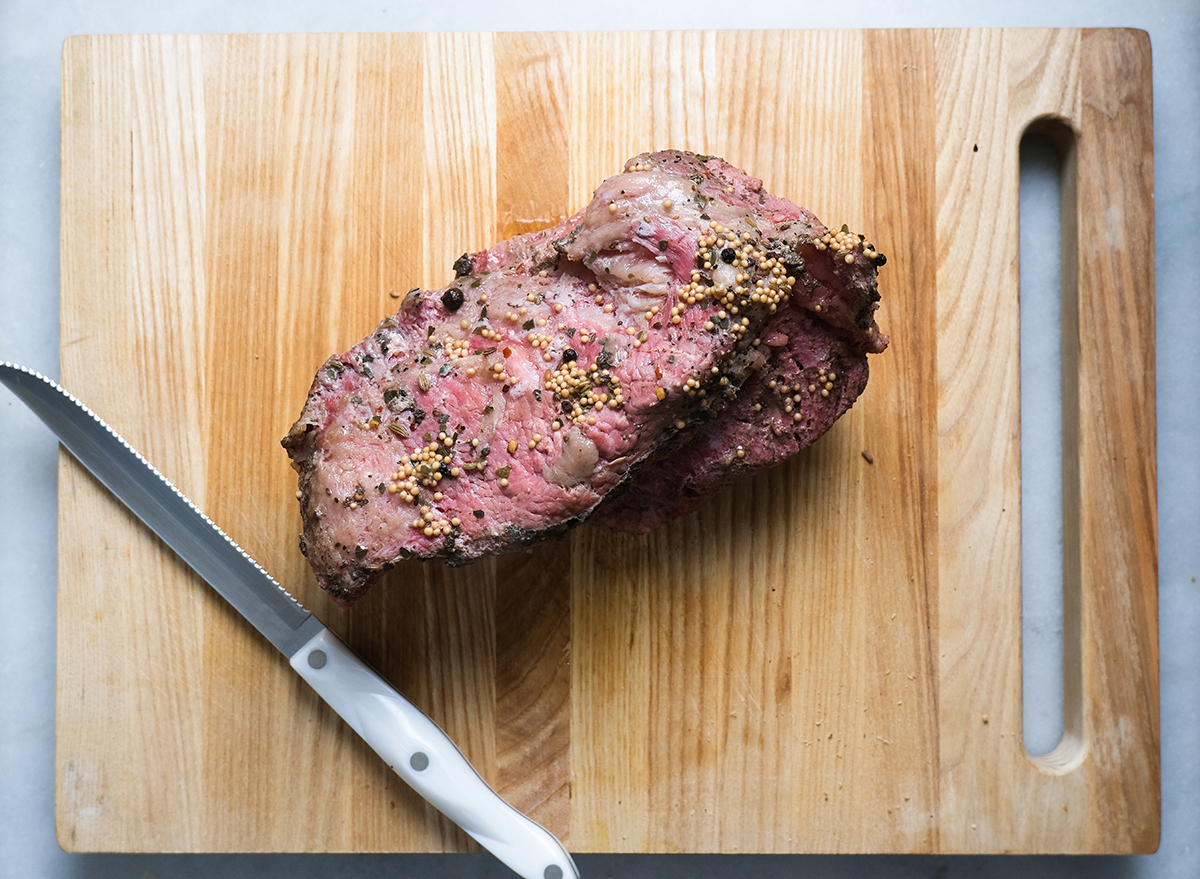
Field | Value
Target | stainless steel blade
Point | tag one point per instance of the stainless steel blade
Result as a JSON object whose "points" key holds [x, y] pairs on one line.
{"points": [[165, 509]]}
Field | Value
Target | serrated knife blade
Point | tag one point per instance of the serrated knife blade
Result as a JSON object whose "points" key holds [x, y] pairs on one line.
{"points": [[408, 741]]}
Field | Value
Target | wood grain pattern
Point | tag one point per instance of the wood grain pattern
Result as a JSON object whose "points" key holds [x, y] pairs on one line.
{"points": [[824, 658]]}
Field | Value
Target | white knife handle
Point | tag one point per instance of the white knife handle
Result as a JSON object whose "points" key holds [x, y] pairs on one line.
{"points": [[425, 757]]}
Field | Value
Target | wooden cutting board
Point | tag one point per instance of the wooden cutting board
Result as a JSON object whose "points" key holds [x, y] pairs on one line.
{"points": [[824, 659]]}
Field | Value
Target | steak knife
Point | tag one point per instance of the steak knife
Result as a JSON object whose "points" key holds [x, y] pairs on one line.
{"points": [[408, 741]]}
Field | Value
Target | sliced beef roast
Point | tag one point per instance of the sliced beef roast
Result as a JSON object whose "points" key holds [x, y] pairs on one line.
{"points": [[506, 406]]}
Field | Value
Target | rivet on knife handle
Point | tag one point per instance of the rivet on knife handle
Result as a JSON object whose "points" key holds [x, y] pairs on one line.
{"points": [[410, 742]]}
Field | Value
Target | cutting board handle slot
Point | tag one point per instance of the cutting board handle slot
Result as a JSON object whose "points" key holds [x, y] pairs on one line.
{"points": [[1052, 690]]}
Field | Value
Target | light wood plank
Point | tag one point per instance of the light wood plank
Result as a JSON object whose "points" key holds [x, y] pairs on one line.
{"points": [[533, 685], [981, 750], [611, 681], [1118, 566], [533, 590], [279, 225], [611, 621], [139, 243]]}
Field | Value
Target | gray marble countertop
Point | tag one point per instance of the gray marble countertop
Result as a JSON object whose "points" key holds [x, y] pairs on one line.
{"points": [[31, 35]]}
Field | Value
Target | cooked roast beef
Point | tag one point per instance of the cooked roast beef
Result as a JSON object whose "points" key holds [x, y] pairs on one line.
{"points": [[816, 368], [506, 406]]}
